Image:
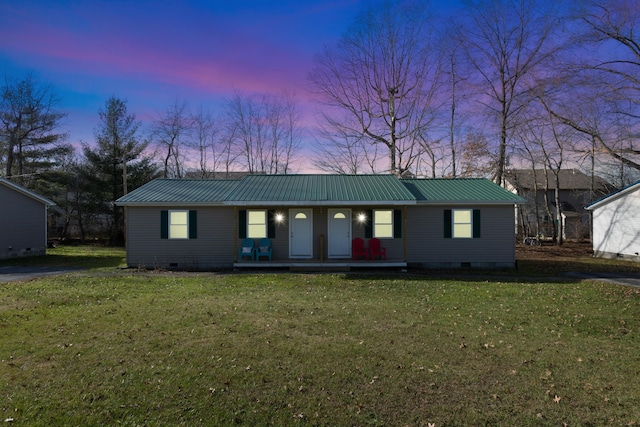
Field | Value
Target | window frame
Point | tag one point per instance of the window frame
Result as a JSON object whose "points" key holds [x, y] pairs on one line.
{"points": [[376, 224], [171, 213], [476, 223], [454, 224], [264, 224]]}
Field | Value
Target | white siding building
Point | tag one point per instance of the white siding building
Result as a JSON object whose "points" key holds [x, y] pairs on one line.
{"points": [[616, 224]]}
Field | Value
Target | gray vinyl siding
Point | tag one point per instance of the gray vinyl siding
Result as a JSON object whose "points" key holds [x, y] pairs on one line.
{"points": [[23, 228], [213, 247], [422, 232], [280, 244], [427, 246]]}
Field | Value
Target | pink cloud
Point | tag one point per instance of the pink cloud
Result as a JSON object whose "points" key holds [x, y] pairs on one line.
{"points": [[219, 60]]}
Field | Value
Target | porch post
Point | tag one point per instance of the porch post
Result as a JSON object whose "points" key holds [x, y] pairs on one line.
{"points": [[235, 231], [404, 233]]}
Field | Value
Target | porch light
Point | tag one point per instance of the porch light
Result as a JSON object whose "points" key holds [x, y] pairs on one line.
{"points": [[362, 217], [279, 218]]}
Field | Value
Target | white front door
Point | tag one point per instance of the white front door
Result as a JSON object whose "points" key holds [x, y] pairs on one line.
{"points": [[339, 233], [300, 233]]}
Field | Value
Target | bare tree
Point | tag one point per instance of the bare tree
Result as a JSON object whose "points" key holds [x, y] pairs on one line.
{"points": [[211, 150], [283, 119], [456, 75], [264, 131], [171, 131], [339, 150], [382, 77], [507, 43], [599, 96], [29, 140]]}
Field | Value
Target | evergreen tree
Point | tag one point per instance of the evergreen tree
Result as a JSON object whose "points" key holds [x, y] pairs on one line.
{"points": [[115, 165]]}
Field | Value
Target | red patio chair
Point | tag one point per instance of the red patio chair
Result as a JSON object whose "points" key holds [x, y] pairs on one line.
{"points": [[375, 250], [358, 249]]}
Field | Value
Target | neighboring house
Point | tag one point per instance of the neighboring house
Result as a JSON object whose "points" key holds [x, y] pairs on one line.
{"points": [[23, 221], [616, 224], [576, 190], [311, 221]]}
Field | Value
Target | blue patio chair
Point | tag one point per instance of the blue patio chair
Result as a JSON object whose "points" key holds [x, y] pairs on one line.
{"points": [[247, 250], [263, 249]]}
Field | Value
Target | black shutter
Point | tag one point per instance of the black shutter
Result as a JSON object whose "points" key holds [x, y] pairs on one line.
{"points": [[447, 223], [242, 224], [368, 225], [397, 223], [271, 224], [164, 224], [193, 224], [476, 223]]}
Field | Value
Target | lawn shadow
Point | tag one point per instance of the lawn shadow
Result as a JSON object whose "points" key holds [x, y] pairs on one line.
{"points": [[80, 257]]}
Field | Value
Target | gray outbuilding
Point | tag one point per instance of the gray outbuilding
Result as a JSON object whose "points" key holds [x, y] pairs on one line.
{"points": [[23, 221]]}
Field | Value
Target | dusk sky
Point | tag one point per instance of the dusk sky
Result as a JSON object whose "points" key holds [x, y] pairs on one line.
{"points": [[154, 52]]}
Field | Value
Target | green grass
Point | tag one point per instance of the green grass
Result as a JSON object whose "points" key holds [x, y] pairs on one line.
{"points": [[335, 350], [74, 256]]}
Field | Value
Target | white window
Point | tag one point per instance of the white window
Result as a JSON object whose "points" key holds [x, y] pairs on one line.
{"points": [[178, 224], [257, 224], [383, 223], [462, 223]]}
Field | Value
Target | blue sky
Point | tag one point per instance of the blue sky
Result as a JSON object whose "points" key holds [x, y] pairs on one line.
{"points": [[154, 52]]}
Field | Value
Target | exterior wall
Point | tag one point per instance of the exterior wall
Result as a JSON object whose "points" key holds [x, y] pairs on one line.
{"points": [[23, 225], [213, 248], [280, 243], [616, 227], [423, 233], [427, 246]]}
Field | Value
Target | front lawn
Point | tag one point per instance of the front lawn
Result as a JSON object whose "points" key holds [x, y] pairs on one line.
{"points": [[335, 350]]}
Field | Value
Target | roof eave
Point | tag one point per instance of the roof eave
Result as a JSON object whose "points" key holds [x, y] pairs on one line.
{"points": [[167, 204], [613, 196], [470, 202], [28, 193], [319, 203]]}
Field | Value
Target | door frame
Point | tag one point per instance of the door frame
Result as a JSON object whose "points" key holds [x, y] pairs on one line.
{"points": [[330, 237], [309, 231]]}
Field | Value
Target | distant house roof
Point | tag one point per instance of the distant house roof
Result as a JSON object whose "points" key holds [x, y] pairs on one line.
{"points": [[326, 190], [569, 179], [26, 192], [613, 196]]}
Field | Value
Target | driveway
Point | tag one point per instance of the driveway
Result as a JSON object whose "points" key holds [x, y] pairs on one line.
{"points": [[626, 279], [13, 274]]}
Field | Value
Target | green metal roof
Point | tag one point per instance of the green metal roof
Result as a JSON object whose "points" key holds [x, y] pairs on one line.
{"points": [[327, 190], [460, 190], [180, 192], [320, 189]]}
